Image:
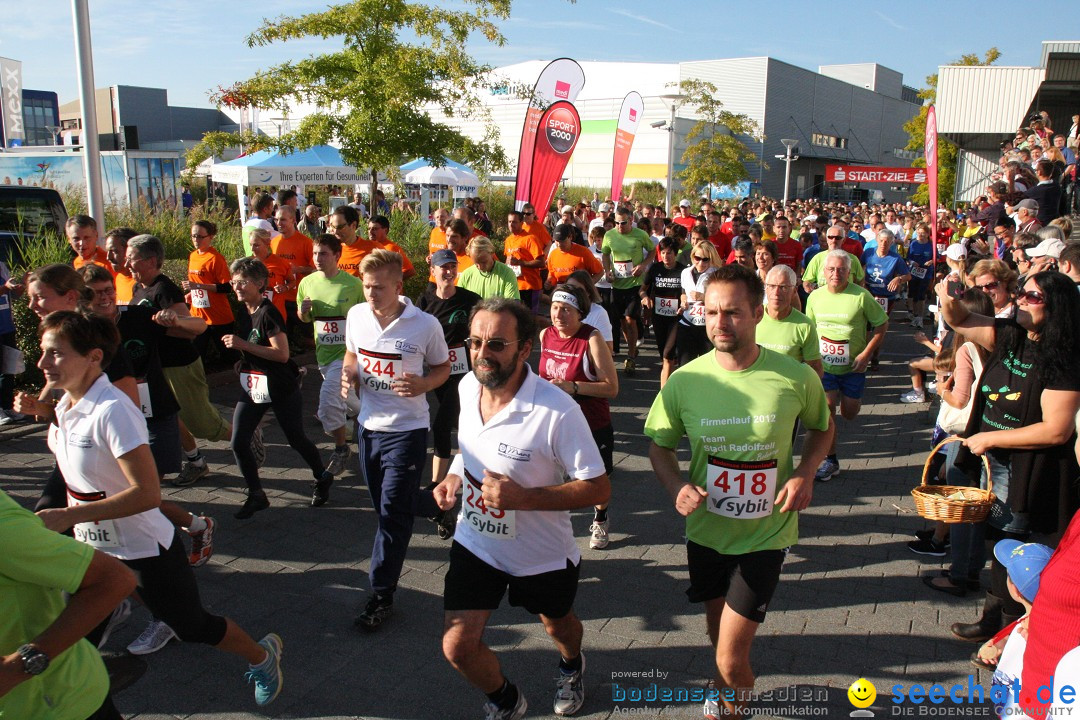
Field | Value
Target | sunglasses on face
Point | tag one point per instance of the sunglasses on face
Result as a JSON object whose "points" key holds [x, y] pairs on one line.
{"points": [[701, 259], [622, 222], [989, 286], [494, 345], [1032, 297]]}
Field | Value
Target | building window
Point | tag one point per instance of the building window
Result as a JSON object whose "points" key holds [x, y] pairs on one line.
{"points": [[830, 141], [906, 154]]}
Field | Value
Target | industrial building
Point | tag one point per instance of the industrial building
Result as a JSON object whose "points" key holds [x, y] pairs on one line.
{"points": [[841, 114]]}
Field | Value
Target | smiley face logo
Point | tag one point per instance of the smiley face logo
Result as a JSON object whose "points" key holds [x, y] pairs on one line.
{"points": [[862, 693]]}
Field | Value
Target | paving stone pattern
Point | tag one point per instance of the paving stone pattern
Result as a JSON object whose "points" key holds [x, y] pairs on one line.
{"points": [[850, 603]]}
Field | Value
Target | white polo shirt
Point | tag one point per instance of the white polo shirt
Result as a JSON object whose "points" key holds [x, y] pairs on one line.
{"points": [[412, 340], [86, 439], [536, 440]]}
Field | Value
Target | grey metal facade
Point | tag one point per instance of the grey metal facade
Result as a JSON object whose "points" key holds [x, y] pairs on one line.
{"points": [[793, 102]]}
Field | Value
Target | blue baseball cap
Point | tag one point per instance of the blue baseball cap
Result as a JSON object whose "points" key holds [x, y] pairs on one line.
{"points": [[1024, 562], [443, 257]]}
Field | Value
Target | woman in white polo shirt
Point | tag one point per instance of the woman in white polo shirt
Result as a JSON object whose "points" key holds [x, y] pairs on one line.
{"points": [[101, 445]]}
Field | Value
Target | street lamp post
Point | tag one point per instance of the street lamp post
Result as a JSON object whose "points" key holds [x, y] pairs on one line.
{"points": [[789, 156], [84, 62], [675, 100]]}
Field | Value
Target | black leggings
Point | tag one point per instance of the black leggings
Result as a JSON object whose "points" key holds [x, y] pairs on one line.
{"points": [[446, 416], [691, 342], [999, 576], [166, 584], [289, 412]]}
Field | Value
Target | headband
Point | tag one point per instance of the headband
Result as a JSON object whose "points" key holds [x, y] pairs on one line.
{"points": [[561, 296]]}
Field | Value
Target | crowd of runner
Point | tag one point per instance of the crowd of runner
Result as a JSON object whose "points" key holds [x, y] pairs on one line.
{"points": [[767, 319]]}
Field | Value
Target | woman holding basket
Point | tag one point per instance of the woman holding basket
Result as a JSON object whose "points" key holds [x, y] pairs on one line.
{"points": [[1023, 421]]}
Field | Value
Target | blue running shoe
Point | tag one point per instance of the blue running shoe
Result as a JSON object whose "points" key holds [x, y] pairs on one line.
{"points": [[267, 676], [827, 470]]}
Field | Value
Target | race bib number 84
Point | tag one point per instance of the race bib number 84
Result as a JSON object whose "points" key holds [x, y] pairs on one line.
{"points": [[741, 490]]}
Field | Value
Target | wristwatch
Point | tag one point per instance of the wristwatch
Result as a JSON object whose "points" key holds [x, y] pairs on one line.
{"points": [[34, 661]]}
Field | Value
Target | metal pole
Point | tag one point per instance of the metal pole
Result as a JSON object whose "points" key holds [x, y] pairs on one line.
{"points": [[670, 161], [84, 64], [787, 175]]}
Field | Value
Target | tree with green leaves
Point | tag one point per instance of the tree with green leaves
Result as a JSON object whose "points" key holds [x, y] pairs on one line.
{"points": [[714, 154], [947, 152], [397, 59]]}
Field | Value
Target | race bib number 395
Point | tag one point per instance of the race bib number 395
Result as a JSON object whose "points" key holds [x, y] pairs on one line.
{"points": [[741, 490], [835, 352]]}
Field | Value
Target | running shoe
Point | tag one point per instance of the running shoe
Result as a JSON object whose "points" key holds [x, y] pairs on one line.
{"points": [[191, 473], [320, 489], [202, 543], [267, 676], [337, 462], [446, 523], [10, 417], [712, 710], [599, 539], [258, 447], [629, 366], [120, 615], [827, 470], [929, 533], [156, 636], [913, 396], [375, 613], [493, 712], [570, 690], [255, 502], [929, 547]]}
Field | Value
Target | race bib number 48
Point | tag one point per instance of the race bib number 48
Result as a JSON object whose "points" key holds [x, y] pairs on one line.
{"points": [[741, 490], [835, 352], [459, 360], [330, 331]]}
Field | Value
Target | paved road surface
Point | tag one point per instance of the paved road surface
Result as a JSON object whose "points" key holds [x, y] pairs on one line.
{"points": [[850, 603]]}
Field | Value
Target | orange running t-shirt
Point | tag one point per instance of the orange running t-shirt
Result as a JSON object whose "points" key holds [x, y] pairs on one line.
{"points": [[296, 251], [524, 247], [561, 264], [279, 269], [100, 258], [125, 286], [209, 268]]}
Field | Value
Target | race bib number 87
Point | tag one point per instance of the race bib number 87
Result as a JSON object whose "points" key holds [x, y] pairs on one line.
{"points": [[741, 490]]}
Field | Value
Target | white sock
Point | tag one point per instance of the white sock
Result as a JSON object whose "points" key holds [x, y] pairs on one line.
{"points": [[197, 525]]}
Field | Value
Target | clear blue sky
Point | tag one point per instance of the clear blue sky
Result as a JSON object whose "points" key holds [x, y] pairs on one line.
{"points": [[192, 47]]}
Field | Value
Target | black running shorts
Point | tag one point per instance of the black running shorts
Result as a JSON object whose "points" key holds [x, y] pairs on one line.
{"points": [[747, 582], [472, 584]]}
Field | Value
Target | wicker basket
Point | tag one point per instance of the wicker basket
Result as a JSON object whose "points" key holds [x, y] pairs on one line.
{"points": [[935, 502]]}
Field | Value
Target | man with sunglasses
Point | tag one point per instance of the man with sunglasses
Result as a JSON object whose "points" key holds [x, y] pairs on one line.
{"points": [[627, 254], [519, 438]]}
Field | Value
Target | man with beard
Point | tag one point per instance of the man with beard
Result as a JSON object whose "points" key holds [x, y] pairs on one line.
{"points": [[519, 437], [737, 406]]}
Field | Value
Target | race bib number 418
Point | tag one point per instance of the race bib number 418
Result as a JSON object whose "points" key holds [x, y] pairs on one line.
{"points": [[741, 490]]}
